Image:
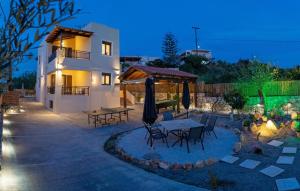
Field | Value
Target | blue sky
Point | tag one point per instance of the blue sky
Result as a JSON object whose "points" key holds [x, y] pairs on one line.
{"points": [[231, 29]]}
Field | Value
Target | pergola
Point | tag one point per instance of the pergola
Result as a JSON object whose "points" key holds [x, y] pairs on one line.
{"points": [[138, 74]]}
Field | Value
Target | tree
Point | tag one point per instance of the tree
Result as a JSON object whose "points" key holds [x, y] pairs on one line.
{"points": [[235, 99], [294, 73], [194, 64], [26, 23], [259, 76], [159, 63], [170, 50], [27, 79]]}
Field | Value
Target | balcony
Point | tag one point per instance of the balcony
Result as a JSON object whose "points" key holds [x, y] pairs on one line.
{"points": [[70, 53], [75, 90]]}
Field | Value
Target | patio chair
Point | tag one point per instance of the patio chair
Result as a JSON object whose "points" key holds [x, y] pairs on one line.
{"points": [[204, 119], [155, 134], [209, 128], [194, 134], [154, 125], [167, 116]]}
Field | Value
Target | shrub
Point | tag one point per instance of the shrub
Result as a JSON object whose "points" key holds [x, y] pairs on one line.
{"points": [[246, 123], [235, 100]]}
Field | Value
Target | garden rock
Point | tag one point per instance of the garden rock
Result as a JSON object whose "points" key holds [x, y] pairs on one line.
{"points": [[236, 131], [211, 161], [163, 165], [200, 164], [237, 147], [188, 166]]}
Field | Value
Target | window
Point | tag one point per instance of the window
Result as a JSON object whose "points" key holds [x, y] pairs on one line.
{"points": [[67, 80], [106, 79], [106, 48]]}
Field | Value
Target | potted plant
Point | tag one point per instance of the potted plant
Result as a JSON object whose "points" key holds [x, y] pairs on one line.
{"points": [[246, 124]]}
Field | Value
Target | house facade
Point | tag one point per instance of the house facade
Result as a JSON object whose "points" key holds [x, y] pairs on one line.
{"points": [[200, 52], [78, 69]]}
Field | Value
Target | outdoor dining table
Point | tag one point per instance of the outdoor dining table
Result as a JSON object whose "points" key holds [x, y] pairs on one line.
{"points": [[105, 114], [180, 125]]}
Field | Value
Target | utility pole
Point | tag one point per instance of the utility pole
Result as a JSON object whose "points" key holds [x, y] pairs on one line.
{"points": [[196, 37]]}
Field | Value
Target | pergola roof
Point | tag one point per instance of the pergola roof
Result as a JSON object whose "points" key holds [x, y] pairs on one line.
{"points": [[67, 33], [140, 72]]}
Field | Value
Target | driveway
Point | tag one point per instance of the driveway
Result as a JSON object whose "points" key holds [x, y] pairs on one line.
{"points": [[47, 151]]}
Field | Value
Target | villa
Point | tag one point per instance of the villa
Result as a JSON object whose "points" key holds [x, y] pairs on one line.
{"points": [[78, 69]]}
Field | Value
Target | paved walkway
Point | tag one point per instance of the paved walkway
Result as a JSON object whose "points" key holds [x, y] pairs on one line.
{"points": [[45, 151]]}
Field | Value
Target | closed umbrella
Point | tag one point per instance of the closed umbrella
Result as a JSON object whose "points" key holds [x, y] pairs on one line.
{"points": [[186, 97], [149, 114]]}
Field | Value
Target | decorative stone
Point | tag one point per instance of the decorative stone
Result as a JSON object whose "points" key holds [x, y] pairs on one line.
{"points": [[176, 166], [163, 165], [229, 159], [211, 161], [243, 138], [154, 164], [147, 163], [188, 166], [200, 164], [236, 131], [237, 147]]}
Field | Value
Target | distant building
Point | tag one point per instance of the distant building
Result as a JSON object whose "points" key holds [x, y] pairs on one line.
{"points": [[127, 61], [200, 52]]}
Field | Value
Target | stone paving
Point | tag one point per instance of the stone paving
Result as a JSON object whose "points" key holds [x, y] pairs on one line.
{"points": [[284, 184], [46, 151]]}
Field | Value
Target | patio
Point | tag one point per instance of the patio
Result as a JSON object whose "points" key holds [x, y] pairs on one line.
{"points": [[46, 151], [134, 143]]}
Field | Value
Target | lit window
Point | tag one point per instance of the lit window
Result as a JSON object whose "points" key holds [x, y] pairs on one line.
{"points": [[106, 79], [106, 48]]}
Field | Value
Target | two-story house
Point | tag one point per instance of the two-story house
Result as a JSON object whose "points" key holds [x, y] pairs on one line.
{"points": [[78, 69]]}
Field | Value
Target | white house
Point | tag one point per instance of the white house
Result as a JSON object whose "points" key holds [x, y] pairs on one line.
{"points": [[200, 52], [78, 69]]}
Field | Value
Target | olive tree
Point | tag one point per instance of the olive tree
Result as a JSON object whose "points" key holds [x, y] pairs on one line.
{"points": [[25, 23]]}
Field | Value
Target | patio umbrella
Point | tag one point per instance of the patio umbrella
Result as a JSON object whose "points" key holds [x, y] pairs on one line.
{"points": [[186, 96], [149, 114]]}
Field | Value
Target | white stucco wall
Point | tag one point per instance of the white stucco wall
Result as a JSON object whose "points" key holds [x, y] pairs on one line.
{"points": [[100, 95]]}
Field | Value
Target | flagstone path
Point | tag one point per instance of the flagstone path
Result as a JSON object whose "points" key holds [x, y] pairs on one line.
{"points": [[285, 184]]}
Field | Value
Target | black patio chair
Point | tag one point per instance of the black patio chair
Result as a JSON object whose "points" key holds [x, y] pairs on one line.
{"points": [[155, 134], [194, 134], [154, 125], [204, 119], [209, 128]]}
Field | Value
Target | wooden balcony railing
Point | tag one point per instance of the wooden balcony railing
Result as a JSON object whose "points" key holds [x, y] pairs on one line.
{"points": [[75, 90]]}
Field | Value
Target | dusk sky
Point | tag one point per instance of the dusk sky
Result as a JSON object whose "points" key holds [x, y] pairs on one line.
{"points": [[266, 29]]}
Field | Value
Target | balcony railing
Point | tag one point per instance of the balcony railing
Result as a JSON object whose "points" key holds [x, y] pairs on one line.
{"points": [[69, 53], [75, 90], [51, 90]]}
